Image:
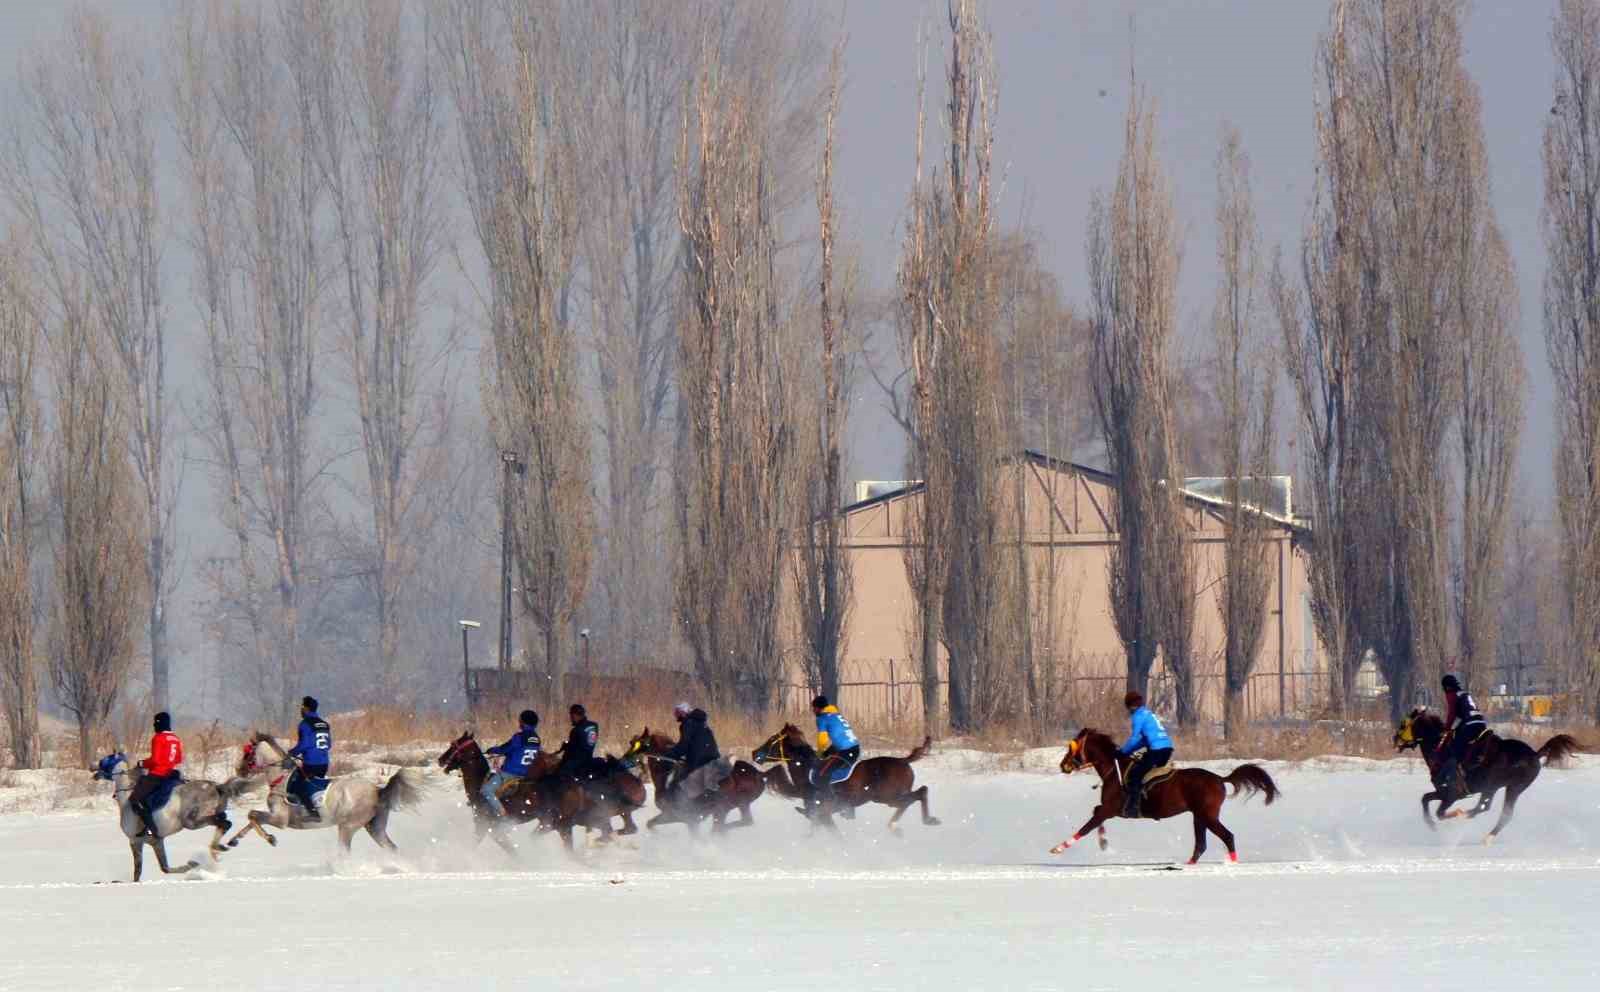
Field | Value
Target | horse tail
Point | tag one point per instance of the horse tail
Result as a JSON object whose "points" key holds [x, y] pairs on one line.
{"points": [[920, 751], [1559, 748], [403, 790], [1251, 779]]}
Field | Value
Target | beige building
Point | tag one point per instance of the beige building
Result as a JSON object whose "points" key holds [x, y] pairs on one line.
{"points": [[1068, 522]]}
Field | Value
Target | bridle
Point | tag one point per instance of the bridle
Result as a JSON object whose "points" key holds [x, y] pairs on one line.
{"points": [[776, 749], [452, 758]]}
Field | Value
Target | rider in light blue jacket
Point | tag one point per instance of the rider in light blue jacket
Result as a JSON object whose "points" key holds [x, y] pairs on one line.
{"points": [[837, 746], [1148, 733]]}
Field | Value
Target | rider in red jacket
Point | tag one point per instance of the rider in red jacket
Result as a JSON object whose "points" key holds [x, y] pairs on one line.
{"points": [[160, 771]]}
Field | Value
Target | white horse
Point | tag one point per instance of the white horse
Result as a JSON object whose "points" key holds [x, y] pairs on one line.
{"points": [[349, 803], [195, 803]]}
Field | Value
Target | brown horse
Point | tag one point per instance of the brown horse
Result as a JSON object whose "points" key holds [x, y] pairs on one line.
{"points": [[1495, 763], [554, 803], [1186, 790], [738, 792], [886, 780]]}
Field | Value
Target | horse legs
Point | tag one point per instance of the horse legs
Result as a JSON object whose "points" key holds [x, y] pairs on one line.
{"points": [[1507, 808], [1209, 821], [346, 835], [136, 845], [628, 826], [1101, 814], [160, 845], [380, 835], [220, 821], [254, 824], [1104, 843], [1426, 816]]}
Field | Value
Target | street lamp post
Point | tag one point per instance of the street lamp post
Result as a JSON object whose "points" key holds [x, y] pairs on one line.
{"points": [[584, 635], [466, 667], [509, 463]]}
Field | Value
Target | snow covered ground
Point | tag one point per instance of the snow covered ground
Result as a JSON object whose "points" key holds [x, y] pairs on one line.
{"points": [[1341, 886]]}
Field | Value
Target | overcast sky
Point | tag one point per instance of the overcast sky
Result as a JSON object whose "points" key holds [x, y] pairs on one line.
{"points": [[1063, 70]]}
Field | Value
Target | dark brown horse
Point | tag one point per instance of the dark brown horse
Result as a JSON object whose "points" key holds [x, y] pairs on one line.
{"points": [[741, 789], [555, 804], [1186, 790], [1493, 763], [887, 780]]}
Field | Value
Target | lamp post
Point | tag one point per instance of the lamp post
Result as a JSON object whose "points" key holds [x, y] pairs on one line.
{"points": [[466, 668], [510, 463], [584, 635]]}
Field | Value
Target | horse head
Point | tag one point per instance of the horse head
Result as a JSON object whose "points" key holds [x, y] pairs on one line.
{"points": [[643, 743], [106, 768], [458, 752], [1419, 728], [1088, 749], [787, 745]]}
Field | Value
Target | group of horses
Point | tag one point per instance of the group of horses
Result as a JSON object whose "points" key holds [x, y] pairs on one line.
{"points": [[557, 802], [613, 792]]}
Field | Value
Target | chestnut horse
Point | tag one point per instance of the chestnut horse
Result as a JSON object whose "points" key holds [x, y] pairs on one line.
{"points": [[742, 788], [1186, 790], [555, 804], [1501, 763], [886, 780]]}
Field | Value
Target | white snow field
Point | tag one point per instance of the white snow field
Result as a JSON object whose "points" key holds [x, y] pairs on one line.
{"points": [[1341, 886]]}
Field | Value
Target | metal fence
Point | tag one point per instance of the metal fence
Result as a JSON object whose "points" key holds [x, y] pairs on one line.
{"points": [[888, 691]]}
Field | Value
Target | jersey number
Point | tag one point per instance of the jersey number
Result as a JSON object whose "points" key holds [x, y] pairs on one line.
{"points": [[172, 753], [324, 741], [528, 756]]}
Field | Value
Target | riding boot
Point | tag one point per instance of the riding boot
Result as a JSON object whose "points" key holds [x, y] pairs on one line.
{"points": [[147, 818], [1130, 803]]}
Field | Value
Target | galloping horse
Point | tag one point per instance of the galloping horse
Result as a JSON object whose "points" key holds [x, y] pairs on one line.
{"points": [[1505, 763], [1186, 790], [348, 803], [195, 803], [886, 780], [743, 787], [558, 805]]}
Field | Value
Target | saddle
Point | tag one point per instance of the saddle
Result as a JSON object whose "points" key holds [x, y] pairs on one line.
{"points": [[1156, 775], [315, 787]]}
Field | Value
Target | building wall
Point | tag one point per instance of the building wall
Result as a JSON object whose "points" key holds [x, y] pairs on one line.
{"points": [[1068, 524]]}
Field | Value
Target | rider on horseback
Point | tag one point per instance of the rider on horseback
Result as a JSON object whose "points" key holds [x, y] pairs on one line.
{"points": [[311, 752], [700, 772], [838, 747], [161, 774], [1149, 734], [1463, 725], [519, 754], [577, 755]]}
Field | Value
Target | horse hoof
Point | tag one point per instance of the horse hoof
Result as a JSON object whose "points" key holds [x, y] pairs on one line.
{"points": [[271, 840], [233, 844], [1192, 861], [1233, 857], [932, 821]]}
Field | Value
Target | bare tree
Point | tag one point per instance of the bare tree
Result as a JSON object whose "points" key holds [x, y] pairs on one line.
{"points": [[1245, 386], [1491, 417], [1571, 223], [20, 336], [378, 149], [247, 117], [1133, 271], [520, 191], [99, 579], [626, 109], [87, 172], [823, 573], [950, 309], [737, 490]]}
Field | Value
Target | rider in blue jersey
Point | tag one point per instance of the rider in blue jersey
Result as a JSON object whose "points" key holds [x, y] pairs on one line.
{"points": [[837, 746], [1149, 734], [518, 754]]}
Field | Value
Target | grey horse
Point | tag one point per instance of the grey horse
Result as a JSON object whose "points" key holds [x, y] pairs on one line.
{"points": [[349, 803], [194, 804]]}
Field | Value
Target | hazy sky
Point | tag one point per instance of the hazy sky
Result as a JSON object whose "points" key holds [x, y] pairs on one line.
{"points": [[1063, 91]]}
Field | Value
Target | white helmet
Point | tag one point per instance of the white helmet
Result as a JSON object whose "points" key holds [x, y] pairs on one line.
{"points": [[681, 710]]}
